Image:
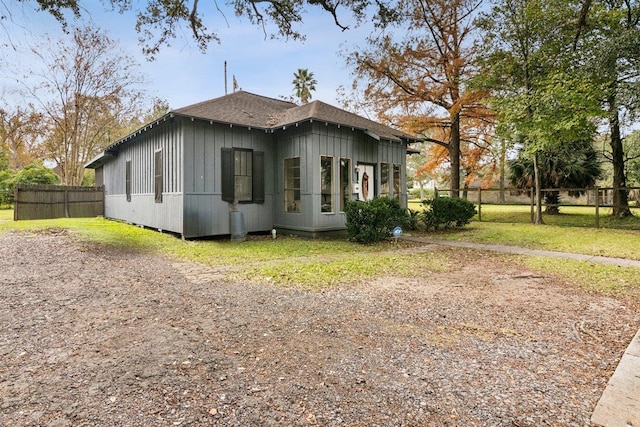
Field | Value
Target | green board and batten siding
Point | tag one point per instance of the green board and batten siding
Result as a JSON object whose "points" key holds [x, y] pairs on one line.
{"points": [[206, 214], [143, 209], [192, 140], [310, 141]]}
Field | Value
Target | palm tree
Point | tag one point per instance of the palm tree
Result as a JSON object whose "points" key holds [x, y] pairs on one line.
{"points": [[572, 165], [303, 84]]}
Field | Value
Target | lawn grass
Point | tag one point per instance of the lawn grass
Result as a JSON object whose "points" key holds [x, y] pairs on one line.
{"points": [[570, 216], [597, 278], [6, 215], [323, 263], [308, 264], [567, 232]]}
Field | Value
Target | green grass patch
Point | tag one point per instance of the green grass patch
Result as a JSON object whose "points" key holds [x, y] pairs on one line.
{"points": [[603, 242], [598, 278], [317, 264], [209, 252], [326, 272], [6, 214], [570, 216]]}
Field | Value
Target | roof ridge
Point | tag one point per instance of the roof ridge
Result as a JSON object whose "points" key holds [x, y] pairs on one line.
{"points": [[233, 94]]}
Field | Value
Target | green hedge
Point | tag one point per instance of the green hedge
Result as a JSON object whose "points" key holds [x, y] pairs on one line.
{"points": [[447, 212], [374, 220]]}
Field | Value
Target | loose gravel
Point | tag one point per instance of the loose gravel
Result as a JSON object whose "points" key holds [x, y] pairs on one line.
{"points": [[94, 336]]}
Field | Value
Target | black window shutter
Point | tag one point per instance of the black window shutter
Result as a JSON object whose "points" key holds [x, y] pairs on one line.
{"points": [[258, 177], [227, 175]]}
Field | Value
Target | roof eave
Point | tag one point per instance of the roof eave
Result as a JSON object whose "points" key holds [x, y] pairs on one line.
{"points": [[100, 160], [393, 138]]}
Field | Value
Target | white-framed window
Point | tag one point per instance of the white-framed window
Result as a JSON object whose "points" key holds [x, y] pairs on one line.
{"points": [[292, 184], [345, 182], [326, 184]]}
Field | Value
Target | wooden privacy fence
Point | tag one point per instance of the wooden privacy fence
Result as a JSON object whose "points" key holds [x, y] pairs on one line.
{"points": [[57, 201]]}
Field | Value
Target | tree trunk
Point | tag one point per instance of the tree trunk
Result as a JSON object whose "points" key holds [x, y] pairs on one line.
{"points": [[503, 162], [454, 155], [620, 195], [537, 218], [552, 202]]}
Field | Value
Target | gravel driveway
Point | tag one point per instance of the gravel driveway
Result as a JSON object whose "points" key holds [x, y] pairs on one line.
{"points": [[92, 336]]}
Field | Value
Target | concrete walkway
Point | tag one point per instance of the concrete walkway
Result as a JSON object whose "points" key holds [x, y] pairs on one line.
{"points": [[620, 262], [619, 405]]}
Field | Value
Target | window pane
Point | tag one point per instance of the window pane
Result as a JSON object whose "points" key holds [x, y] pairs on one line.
{"points": [[243, 175], [396, 182], [326, 184], [243, 188], [384, 179], [345, 182], [237, 156], [292, 184]]}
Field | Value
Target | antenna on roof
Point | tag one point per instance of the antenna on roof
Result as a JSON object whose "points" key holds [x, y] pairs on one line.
{"points": [[225, 77]]}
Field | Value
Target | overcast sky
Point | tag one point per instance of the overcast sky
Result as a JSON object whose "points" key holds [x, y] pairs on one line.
{"points": [[181, 74]]}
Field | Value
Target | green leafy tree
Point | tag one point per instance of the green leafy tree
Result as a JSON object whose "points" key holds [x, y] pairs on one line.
{"points": [[570, 165], [35, 173], [609, 37], [303, 84], [6, 176], [632, 152], [542, 95], [418, 80]]}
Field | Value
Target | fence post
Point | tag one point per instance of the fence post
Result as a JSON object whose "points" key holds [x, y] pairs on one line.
{"points": [[479, 204], [15, 202], [532, 204], [597, 206], [103, 212], [66, 203]]}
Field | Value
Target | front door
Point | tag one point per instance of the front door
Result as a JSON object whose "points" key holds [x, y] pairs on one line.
{"points": [[366, 181]]}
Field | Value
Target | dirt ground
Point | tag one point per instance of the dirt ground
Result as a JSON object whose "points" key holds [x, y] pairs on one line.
{"points": [[91, 336]]}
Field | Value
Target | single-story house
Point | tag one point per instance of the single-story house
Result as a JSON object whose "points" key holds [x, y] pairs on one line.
{"points": [[280, 165]]}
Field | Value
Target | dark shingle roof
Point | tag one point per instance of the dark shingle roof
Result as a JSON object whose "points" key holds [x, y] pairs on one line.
{"points": [[256, 111], [320, 111], [240, 108], [247, 109]]}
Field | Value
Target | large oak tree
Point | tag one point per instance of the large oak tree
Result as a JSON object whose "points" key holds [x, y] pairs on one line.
{"points": [[160, 21], [20, 137], [609, 38], [418, 81]]}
